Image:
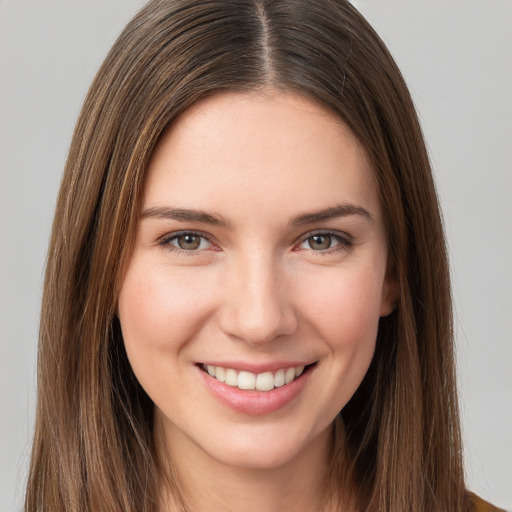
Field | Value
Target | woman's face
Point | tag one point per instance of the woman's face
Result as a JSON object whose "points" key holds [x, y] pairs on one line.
{"points": [[260, 251]]}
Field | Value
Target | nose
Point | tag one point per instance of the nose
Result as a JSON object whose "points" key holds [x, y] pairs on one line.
{"points": [[257, 303]]}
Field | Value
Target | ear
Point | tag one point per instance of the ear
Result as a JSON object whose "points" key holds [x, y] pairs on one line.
{"points": [[390, 293]]}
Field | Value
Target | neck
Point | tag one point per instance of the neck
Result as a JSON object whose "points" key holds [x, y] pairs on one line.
{"points": [[210, 485]]}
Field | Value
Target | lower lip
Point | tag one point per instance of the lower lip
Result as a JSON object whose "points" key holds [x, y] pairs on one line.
{"points": [[253, 401]]}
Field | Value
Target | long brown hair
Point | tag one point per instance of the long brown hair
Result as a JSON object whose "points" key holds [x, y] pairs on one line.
{"points": [[93, 448]]}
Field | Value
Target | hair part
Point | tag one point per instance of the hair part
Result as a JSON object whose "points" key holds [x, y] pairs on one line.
{"points": [[93, 446]]}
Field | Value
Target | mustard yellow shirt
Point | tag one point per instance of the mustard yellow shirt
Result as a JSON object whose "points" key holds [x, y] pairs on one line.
{"points": [[479, 505]]}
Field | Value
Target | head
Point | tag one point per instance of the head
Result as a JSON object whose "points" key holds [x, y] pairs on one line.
{"points": [[172, 56]]}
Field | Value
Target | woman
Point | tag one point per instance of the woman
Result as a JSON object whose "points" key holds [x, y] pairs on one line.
{"points": [[247, 299]]}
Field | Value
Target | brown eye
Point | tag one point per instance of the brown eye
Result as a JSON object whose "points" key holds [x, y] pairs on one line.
{"points": [[188, 242], [326, 242], [320, 242]]}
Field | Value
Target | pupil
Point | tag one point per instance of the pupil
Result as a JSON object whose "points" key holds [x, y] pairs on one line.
{"points": [[320, 242], [189, 242]]}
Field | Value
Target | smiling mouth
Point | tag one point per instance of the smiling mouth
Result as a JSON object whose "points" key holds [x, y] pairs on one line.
{"points": [[265, 381]]}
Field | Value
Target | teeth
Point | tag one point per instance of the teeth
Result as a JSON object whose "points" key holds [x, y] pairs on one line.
{"points": [[246, 380], [289, 375], [220, 374], [265, 381], [231, 378], [279, 379]]}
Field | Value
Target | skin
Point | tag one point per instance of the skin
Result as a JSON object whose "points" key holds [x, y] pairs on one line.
{"points": [[256, 289]]}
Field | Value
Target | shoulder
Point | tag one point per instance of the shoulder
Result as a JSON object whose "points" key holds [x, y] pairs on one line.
{"points": [[477, 504]]}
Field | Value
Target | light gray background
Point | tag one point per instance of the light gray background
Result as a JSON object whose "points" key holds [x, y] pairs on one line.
{"points": [[457, 58]]}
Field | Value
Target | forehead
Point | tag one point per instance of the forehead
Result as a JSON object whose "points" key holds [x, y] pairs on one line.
{"points": [[260, 150]]}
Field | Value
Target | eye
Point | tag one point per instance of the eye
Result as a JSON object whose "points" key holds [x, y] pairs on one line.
{"points": [[186, 241], [320, 242], [325, 242]]}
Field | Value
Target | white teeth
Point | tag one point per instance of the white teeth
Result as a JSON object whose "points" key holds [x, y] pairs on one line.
{"points": [[231, 378], [265, 381], [279, 379], [246, 380], [289, 375], [220, 373]]}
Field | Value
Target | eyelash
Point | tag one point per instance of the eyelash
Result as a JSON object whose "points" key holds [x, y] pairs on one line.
{"points": [[166, 242], [344, 242]]}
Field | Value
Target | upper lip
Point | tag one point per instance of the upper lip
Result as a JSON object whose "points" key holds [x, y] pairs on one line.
{"points": [[257, 368]]}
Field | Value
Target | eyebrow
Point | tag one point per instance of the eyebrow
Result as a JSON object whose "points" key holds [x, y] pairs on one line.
{"points": [[200, 216], [341, 210], [187, 215]]}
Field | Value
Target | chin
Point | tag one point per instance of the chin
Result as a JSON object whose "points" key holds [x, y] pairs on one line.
{"points": [[254, 458], [266, 448]]}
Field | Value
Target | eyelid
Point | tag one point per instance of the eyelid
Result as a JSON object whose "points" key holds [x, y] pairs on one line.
{"points": [[345, 240], [165, 241]]}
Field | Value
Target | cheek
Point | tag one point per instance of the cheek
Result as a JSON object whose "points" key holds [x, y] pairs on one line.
{"points": [[345, 315], [159, 313], [345, 308]]}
